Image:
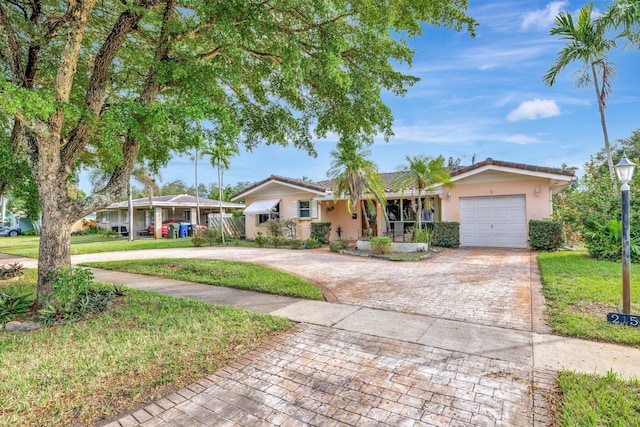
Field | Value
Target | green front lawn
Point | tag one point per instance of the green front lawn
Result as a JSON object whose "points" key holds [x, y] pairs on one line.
{"points": [[591, 400], [145, 347], [580, 291], [27, 246], [231, 274]]}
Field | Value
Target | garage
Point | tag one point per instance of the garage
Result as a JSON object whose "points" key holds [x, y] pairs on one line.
{"points": [[493, 221]]}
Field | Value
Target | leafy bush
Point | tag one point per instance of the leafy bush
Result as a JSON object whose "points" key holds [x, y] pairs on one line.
{"points": [[380, 245], [604, 241], [277, 241], [338, 245], [28, 233], [260, 240], [198, 240], [294, 243], [422, 235], [545, 235], [9, 271], [320, 231], [311, 243], [446, 234], [74, 296], [13, 304], [211, 235]]}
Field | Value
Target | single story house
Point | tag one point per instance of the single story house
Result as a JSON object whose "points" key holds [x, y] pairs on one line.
{"points": [[161, 208], [492, 200]]}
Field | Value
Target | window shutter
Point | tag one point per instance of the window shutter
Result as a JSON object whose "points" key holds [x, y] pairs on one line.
{"points": [[295, 209], [313, 206], [257, 217]]}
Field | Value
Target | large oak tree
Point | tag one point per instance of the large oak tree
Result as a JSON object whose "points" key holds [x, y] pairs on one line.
{"points": [[111, 82]]}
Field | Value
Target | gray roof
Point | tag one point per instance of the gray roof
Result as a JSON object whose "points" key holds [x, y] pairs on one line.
{"points": [[181, 200]]}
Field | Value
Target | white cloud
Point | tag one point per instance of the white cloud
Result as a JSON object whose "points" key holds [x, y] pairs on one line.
{"points": [[533, 110], [521, 139], [542, 19]]}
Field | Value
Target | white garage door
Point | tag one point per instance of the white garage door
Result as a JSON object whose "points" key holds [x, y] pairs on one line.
{"points": [[499, 221]]}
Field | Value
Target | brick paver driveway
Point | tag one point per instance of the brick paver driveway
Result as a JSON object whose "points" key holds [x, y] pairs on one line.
{"points": [[477, 285]]}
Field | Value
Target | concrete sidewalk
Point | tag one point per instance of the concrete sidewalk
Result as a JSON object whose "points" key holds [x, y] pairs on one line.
{"points": [[541, 351]]}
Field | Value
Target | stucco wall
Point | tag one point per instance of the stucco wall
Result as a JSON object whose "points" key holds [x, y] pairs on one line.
{"points": [[537, 206], [286, 212]]}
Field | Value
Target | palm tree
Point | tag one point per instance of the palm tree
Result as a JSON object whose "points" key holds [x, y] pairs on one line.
{"points": [[423, 172], [623, 15], [587, 44], [221, 152], [352, 175]]}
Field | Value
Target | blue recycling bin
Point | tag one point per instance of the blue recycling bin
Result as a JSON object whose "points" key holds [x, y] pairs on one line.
{"points": [[183, 229]]}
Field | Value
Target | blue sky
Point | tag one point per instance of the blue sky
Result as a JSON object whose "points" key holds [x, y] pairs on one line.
{"points": [[481, 97]]}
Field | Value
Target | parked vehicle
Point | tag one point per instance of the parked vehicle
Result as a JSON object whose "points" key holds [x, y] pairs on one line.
{"points": [[167, 222], [10, 231]]}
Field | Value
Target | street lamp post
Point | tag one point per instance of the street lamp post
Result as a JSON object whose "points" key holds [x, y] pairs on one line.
{"points": [[624, 170]]}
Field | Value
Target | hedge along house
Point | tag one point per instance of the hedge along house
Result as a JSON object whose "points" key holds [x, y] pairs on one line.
{"points": [[492, 200], [146, 212]]}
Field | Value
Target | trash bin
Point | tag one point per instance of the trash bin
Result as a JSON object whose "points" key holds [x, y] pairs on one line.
{"points": [[172, 231], [183, 229], [190, 230]]}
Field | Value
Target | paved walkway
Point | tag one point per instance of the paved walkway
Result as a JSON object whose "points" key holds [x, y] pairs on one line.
{"points": [[350, 364]]}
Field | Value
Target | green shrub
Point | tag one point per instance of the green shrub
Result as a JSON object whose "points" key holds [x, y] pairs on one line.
{"points": [[260, 240], [28, 233], [14, 304], [381, 245], [545, 235], [277, 241], [320, 231], [311, 243], [74, 296], [198, 240], [604, 241], [294, 243], [422, 235], [446, 234], [338, 245], [211, 235]]}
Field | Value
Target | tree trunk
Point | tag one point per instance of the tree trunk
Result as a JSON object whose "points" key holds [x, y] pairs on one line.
{"points": [[419, 210], [603, 123], [364, 214], [55, 237]]}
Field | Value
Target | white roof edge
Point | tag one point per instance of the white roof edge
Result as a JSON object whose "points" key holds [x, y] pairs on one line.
{"points": [[274, 180], [512, 170]]}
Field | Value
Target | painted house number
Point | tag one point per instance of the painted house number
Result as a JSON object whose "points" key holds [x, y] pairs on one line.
{"points": [[623, 319]]}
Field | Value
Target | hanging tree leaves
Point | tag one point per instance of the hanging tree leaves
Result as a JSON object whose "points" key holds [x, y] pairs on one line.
{"points": [[109, 83]]}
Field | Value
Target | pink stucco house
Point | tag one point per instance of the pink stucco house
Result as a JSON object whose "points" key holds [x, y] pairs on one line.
{"points": [[492, 200]]}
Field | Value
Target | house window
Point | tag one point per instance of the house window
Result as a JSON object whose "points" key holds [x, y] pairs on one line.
{"points": [[275, 213], [104, 217], [186, 215], [304, 209]]}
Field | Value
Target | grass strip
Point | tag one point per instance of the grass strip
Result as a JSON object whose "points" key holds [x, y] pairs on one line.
{"points": [[232, 274], [593, 400], [580, 291], [145, 347]]}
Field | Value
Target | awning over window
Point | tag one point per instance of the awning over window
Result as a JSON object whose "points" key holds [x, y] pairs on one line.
{"points": [[261, 207]]}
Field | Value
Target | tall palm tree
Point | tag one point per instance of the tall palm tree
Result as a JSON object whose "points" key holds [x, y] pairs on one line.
{"points": [[353, 175], [221, 153], [588, 44], [422, 172]]}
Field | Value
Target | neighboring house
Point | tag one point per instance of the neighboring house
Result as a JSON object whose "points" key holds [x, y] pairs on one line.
{"points": [[492, 200], [161, 208], [18, 219]]}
